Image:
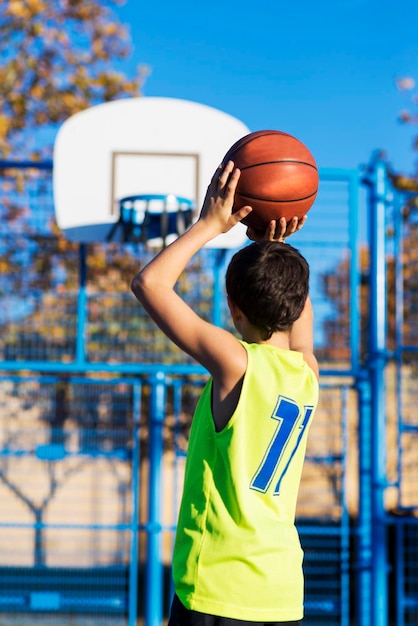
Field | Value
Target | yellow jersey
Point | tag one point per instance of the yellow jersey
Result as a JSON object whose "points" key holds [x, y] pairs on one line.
{"points": [[237, 552]]}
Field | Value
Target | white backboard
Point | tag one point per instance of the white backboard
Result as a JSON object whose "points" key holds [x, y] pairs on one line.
{"points": [[137, 146]]}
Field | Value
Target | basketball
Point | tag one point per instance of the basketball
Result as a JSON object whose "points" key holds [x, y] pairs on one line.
{"points": [[279, 177]]}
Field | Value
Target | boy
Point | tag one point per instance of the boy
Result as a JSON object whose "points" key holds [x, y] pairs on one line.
{"points": [[237, 557]]}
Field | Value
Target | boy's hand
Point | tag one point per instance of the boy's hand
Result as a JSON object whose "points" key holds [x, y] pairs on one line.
{"points": [[277, 230], [219, 200]]}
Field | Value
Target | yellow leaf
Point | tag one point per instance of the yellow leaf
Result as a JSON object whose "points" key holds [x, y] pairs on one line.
{"points": [[36, 6], [110, 29], [4, 126], [36, 92], [68, 99], [25, 10], [17, 8]]}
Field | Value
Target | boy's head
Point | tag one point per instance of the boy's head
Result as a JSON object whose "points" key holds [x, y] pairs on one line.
{"points": [[269, 283]]}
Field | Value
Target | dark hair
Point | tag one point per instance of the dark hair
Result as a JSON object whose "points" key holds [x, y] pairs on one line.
{"points": [[269, 282]]}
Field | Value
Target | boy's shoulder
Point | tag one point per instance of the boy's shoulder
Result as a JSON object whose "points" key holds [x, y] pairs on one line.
{"points": [[266, 355]]}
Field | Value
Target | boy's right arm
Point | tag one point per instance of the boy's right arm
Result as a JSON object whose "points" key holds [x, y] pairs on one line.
{"points": [[216, 349]]}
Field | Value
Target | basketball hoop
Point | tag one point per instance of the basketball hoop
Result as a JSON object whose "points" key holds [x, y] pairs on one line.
{"points": [[152, 219], [116, 165]]}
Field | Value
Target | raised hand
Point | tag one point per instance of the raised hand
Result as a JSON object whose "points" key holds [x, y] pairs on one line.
{"points": [[219, 200], [277, 230]]}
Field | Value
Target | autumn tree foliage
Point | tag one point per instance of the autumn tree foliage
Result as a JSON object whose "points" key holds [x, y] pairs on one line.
{"points": [[401, 283], [335, 284], [58, 57], [404, 181]]}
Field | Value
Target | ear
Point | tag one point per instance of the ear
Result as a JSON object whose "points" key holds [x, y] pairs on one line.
{"points": [[235, 311], [231, 305]]}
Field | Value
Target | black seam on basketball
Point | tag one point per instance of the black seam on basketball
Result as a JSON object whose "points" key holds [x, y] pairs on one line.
{"points": [[248, 167], [261, 199], [251, 137]]}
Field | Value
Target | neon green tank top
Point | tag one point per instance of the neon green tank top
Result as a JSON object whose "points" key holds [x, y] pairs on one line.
{"points": [[237, 552]]}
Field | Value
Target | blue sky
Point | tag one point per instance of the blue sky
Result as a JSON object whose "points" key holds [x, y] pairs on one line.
{"points": [[324, 71]]}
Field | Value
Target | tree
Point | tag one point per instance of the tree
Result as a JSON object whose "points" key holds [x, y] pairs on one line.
{"points": [[402, 181], [335, 286], [57, 58], [401, 292]]}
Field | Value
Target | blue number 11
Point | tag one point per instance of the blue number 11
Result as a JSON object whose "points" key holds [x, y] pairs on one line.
{"points": [[286, 413]]}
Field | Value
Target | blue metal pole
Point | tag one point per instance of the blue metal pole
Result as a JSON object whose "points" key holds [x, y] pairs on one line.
{"points": [[355, 270], [218, 293], [154, 568], [345, 519], [363, 566], [364, 530], [400, 552], [133, 562], [178, 389], [399, 339], [80, 346], [377, 365], [400, 574]]}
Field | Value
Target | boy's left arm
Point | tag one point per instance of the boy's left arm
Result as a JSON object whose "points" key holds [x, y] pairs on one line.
{"points": [[301, 336]]}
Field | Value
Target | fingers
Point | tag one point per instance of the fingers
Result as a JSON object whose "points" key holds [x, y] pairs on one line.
{"points": [[216, 175], [294, 225], [221, 175], [301, 222], [228, 174], [219, 200], [281, 229], [265, 235], [277, 230], [241, 214], [271, 229], [225, 182]]}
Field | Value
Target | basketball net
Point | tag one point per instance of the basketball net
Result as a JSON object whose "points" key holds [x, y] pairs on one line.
{"points": [[151, 219]]}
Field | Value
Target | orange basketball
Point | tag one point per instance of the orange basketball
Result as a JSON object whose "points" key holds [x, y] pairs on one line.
{"points": [[279, 177]]}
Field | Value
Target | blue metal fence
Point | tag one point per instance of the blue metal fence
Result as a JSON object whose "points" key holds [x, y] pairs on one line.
{"points": [[56, 312], [403, 220], [90, 480], [95, 407], [406, 572]]}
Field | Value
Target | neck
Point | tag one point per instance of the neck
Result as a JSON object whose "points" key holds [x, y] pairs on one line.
{"points": [[279, 339], [251, 334]]}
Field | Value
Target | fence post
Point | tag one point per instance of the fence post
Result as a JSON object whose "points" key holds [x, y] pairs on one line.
{"points": [[218, 284], [154, 566], [376, 365], [364, 530], [133, 564], [81, 307]]}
